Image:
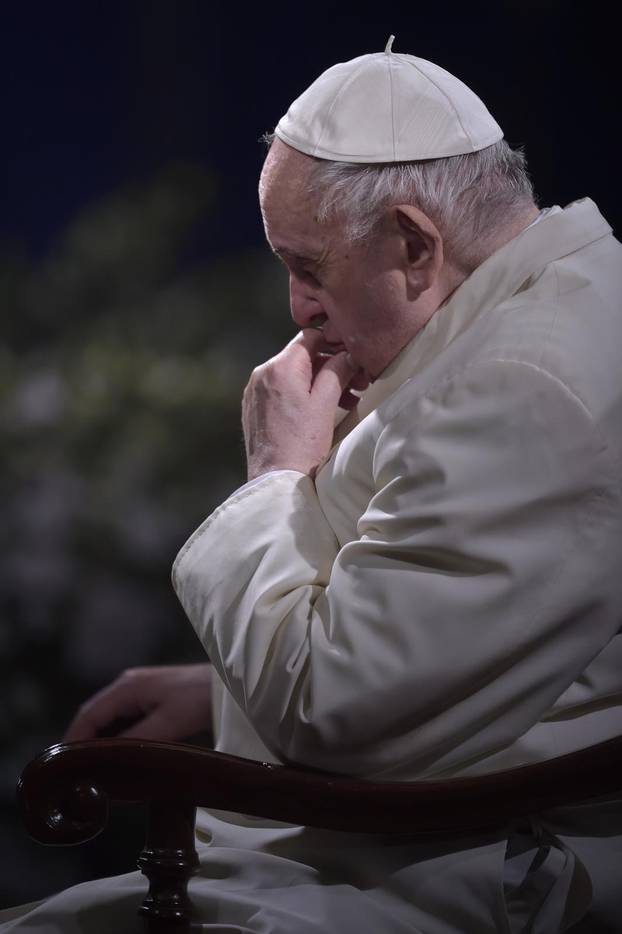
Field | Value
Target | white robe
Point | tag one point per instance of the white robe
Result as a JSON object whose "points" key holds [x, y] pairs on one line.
{"points": [[445, 599]]}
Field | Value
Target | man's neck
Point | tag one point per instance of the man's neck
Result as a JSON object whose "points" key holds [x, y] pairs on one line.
{"points": [[511, 230], [452, 276], [455, 276]]}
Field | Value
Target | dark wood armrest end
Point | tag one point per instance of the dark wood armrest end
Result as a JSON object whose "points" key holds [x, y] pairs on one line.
{"points": [[64, 792]]}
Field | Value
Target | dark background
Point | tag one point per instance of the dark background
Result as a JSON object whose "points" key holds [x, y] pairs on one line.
{"points": [[137, 296]]}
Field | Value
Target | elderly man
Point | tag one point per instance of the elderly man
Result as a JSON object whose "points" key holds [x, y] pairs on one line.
{"points": [[433, 587]]}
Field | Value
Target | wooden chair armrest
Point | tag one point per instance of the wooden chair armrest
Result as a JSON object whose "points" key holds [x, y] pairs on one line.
{"points": [[64, 796], [64, 792]]}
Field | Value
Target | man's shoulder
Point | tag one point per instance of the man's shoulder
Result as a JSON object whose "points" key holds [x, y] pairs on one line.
{"points": [[562, 327], [565, 325]]}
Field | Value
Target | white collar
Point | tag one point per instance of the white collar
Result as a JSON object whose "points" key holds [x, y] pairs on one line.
{"points": [[554, 234]]}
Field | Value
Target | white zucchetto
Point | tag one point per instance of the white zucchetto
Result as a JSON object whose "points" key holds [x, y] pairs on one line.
{"points": [[387, 107]]}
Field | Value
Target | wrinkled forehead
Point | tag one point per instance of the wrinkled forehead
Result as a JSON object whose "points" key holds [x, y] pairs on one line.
{"points": [[287, 205], [285, 176]]}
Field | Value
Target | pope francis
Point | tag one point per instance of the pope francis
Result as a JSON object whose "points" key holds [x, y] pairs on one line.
{"points": [[423, 574]]}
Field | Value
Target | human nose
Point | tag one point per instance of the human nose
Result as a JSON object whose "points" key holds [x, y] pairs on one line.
{"points": [[306, 309]]}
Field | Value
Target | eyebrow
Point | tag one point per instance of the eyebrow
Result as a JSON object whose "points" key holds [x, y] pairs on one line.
{"points": [[299, 257]]}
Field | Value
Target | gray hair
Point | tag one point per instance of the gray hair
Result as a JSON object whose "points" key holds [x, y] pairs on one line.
{"points": [[469, 197]]}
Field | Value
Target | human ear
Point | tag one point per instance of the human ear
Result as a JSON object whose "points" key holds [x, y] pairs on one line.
{"points": [[422, 246]]}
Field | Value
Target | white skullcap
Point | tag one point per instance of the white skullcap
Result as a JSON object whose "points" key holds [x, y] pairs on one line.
{"points": [[387, 107]]}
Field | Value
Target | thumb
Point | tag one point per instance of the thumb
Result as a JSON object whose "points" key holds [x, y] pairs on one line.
{"points": [[333, 378]]}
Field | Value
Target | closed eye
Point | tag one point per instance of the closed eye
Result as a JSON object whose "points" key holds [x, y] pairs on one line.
{"points": [[301, 272], [308, 276], [301, 266]]}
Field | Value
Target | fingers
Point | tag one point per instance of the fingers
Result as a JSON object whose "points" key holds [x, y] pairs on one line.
{"points": [[319, 351], [311, 339], [155, 725], [334, 378], [312, 342], [357, 379], [290, 403], [164, 702], [359, 382], [115, 702]]}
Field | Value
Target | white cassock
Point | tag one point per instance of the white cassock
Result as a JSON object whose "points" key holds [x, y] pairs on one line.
{"points": [[444, 600]]}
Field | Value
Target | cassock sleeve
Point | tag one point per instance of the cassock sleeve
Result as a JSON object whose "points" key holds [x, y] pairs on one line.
{"points": [[481, 583]]}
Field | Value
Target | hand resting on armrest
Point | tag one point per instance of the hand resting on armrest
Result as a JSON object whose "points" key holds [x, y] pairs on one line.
{"points": [[165, 702]]}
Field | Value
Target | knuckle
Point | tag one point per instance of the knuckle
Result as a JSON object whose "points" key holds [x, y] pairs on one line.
{"points": [[130, 674], [256, 375]]}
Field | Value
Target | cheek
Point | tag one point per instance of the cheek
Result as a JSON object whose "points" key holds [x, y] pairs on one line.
{"points": [[366, 312], [378, 306]]}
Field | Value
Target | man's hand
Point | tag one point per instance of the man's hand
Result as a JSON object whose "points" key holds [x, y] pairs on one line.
{"points": [[167, 703], [289, 404]]}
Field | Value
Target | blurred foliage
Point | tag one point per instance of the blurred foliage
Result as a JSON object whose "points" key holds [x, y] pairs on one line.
{"points": [[121, 370]]}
